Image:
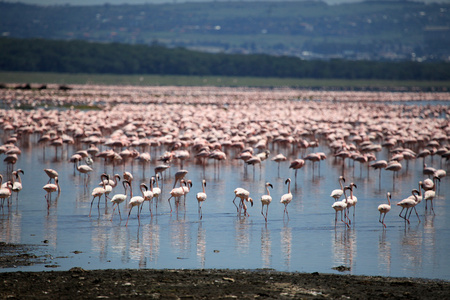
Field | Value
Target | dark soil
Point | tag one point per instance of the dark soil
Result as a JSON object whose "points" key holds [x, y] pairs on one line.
{"points": [[201, 284]]}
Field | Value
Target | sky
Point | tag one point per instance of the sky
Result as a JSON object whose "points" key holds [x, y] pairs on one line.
{"points": [[130, 2]]}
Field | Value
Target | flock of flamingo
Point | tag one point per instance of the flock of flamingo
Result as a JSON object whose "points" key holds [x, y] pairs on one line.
{"points": [[121, 125]]}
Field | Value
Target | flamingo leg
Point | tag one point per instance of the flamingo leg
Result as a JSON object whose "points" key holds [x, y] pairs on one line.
{"points": [[400, 214], [382, 220], [139, 215], [114, 208], [235, 204], [416, 213], [285, 209], [150, 207], [126, 224], [345, 217], [407, 219], [170, 204], [91, 205]]}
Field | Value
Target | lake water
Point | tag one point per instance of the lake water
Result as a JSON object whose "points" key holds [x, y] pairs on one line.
{"points": [[307, 241]]}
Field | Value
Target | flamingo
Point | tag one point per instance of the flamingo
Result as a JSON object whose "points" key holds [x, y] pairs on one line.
{"points": [[97, 192], [428, 184], [84, 169], [128, 177], [187, 189], [201, 197], [279, 158], [351, 201], [253, 161], [384, 209], [51, 173], [148, 195], [393, 166], [136, 201], [287, 198], [5, 192], [419, 196], [243, 195], [119, 198], [108, 188], [431, 194], [297, 164], [159, 169], [340, 206], [380, 164], [409, 203], [75, 159], [50, 188], [265, 200], [112, 182], [337, 193], [179, 176], [176, 193], [17, 184], [156, 190]]}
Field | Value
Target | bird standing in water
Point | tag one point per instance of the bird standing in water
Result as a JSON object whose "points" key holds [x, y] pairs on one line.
{"points": [[265, 200], [286, 198], [201, 197], [384, 209]]}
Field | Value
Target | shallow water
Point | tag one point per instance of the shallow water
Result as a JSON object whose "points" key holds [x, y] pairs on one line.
{"points": [[309, 241]]}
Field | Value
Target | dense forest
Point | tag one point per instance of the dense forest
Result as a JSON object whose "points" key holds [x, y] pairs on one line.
{"points": [[39, 55]]}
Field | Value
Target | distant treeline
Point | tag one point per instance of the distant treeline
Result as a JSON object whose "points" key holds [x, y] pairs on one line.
{"points": [[38, 55]]}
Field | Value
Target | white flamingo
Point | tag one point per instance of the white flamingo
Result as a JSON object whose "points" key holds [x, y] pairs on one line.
{"points": [[384, 209], [243, 195], [148, 195], [136, 201], [17, 182], [6, 191], [351, 202], [119, 198], [201, 197], [52, 174], [97, 192], [337, 193], [51, 188], [176, 193], [340, 206], [431, 194], [286, 198], [265, 200], [409, 203]]}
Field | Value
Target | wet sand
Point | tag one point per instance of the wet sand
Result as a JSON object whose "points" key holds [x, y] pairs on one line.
{"points": [[200, 284]]}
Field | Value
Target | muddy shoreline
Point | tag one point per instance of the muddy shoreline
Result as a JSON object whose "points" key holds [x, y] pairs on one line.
{"points": [[200, 284]]}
